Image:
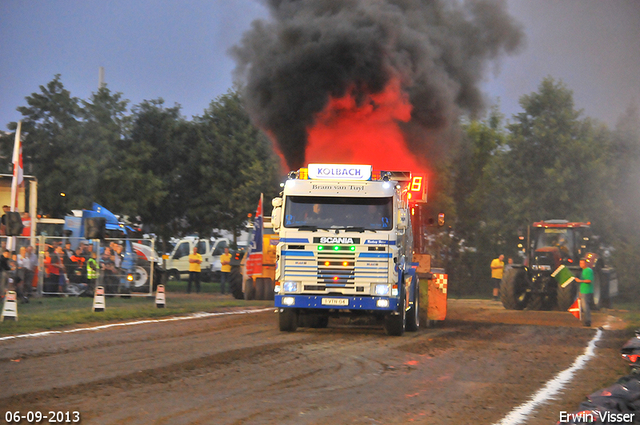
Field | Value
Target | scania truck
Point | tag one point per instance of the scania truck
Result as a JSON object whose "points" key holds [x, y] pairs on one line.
{"points": [[345, 247]]}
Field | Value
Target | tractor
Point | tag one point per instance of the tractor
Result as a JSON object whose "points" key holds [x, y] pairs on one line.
{"points": [[547, 246]]}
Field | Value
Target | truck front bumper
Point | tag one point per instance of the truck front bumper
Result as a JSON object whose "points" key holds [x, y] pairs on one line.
{"points": [[337, 302]]}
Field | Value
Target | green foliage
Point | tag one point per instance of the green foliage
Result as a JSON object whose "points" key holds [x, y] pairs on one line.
{"points": [[548, 163], [177, 176]]}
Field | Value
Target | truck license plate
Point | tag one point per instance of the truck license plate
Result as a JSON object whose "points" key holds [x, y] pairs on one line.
{"points": [[335, 301]]}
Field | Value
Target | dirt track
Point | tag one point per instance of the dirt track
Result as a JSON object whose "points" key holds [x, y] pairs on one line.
{"points": [[473, 369]]}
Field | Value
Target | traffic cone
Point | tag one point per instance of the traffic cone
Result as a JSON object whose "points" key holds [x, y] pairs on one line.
{"points": [[10, 308], [575, 309], [98, 299], [160, 301]]}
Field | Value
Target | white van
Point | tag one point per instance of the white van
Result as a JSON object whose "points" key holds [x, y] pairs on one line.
{"points": [[177, 263]]}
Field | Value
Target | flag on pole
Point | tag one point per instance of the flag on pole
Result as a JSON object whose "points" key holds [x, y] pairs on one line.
{"points": [[575, 309], [17, 169], [254, 256]]}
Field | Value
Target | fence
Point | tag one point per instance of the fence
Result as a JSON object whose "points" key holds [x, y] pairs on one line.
{"points": [[52, 265]]}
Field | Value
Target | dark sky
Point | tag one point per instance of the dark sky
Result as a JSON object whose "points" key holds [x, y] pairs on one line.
{"points": [[177, 50]]}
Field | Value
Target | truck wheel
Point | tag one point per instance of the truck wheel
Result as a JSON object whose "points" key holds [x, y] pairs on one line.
{"points": [[413, 315], [513, 289], [394, 324], [287, 319], [260, 289], [566, 296], [268, 289], [249, 290], [140, 278]]}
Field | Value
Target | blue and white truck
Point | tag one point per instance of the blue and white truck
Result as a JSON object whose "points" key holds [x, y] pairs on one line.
{"points": [[345, 247]]}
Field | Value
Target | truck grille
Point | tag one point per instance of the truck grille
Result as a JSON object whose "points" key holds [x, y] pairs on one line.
{"points": [[332, 271]]}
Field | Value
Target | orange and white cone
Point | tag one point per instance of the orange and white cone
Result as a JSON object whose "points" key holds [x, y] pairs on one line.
{"points": [[98, 299], [10, 308], [160, 300]]}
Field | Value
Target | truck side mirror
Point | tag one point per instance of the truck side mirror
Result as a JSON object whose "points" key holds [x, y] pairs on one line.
{"points": [[275, 218], [276, 202]]}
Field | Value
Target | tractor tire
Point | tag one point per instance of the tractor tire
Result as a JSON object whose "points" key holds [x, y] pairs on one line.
{"points": [[413, 314], [249, 290], [566, 296], [600, 291], [536, 302], [235, 284], [513, 289], [287, 320]]}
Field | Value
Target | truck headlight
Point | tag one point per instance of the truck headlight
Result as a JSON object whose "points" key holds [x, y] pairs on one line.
{"points": [[290, 286], [382, 290], [382, 303], [288, 300]]}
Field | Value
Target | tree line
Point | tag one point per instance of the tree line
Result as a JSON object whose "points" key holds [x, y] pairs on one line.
{"points": [[175, 175], [182, 176]]}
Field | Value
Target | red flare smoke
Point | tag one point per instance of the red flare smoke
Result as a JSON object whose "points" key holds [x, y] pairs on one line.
{"points": [[367, 132]]}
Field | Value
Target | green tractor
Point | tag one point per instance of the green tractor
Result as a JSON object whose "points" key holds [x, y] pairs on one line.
{"points": [[549, 245]]}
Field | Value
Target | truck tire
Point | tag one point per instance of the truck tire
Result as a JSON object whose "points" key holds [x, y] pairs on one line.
{"points": [[268, 289], [249, 290], [141, 276], [567, 295], [395, 324], [413, 315], [287, 320], [260, 289], [513, 289]]}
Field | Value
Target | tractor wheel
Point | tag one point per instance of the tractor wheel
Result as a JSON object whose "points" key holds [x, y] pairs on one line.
{"points": [[536, 302], [413, 315], [287, 319], [600, 290], [235, 285], [513, 289], [174, 275], [567, 295], [249, 290]]}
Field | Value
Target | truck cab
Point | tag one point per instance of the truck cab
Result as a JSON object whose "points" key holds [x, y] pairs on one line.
{"points": [[345, 247]]}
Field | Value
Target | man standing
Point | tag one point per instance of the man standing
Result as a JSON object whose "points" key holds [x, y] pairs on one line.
{"points": [[225, 269], [586, 292], [195, 260], [497, 268]]}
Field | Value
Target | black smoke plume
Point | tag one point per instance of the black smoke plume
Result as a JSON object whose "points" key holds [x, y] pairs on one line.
{"points": [[311, 50]]}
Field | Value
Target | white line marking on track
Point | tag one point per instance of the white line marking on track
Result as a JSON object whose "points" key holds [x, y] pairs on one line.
{"points": [[139, 322], [522, 413]]}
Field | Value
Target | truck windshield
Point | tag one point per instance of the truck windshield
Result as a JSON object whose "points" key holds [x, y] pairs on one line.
{"points": [[317, 212]]}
